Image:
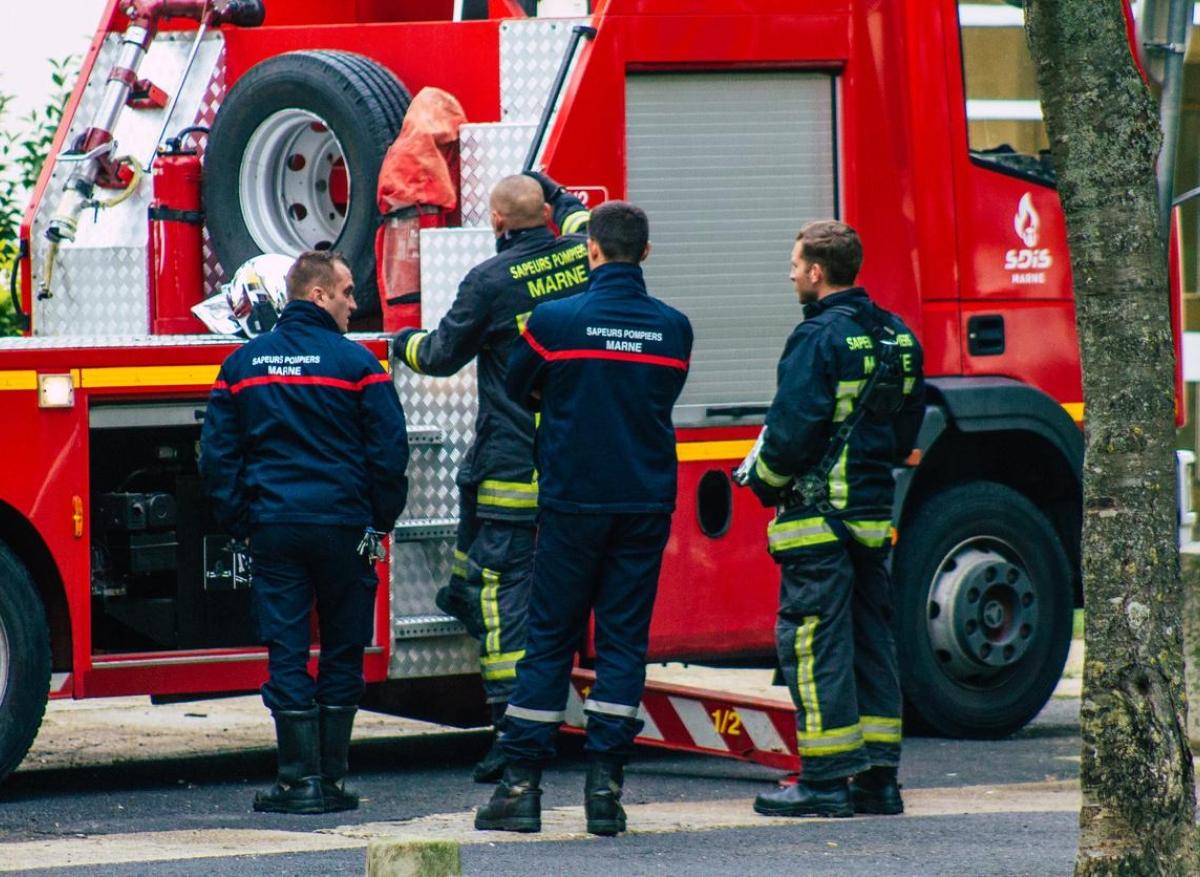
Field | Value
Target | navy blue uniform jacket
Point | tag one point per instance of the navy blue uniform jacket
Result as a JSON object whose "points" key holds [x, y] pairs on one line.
{"points": [[304, 427], [608, 366]]}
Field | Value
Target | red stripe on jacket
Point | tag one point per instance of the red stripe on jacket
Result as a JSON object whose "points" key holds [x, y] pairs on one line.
{"points": [[587, 353], [311, 380]]}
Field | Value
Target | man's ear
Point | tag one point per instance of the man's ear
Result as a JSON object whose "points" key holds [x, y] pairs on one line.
{"points": [[594, 252], [645, 252], [498, 225], [547, 214]]}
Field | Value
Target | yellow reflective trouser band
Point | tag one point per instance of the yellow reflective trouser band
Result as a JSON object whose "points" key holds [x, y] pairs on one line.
{"points": [[806, 681], [489, 602], [880, 729], [410, 350], [873, 534], [802, 533], [847, 392], [572, 223], [832, 742], [549, 716], [769, 475], [620, 710], [839, 488], [459, 565], [508, 494], [502, 666]]}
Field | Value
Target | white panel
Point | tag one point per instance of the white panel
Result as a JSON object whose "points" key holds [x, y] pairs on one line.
{"points": [[728, 166]]}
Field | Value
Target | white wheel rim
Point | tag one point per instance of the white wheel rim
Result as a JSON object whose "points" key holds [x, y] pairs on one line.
{"points": [[294, 186], [5, 660]]}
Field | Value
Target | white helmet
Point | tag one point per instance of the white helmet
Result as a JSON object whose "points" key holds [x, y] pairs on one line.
{"points": [[258, 291]]}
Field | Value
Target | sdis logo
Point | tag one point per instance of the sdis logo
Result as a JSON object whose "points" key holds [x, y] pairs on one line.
{"points": [[1029, 261]]}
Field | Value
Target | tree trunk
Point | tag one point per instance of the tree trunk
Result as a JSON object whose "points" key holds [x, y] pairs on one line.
{"points": [[1138, 814]]}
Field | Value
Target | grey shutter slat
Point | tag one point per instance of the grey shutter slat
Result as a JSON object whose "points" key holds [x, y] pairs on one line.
{"points": [[728, 166]]}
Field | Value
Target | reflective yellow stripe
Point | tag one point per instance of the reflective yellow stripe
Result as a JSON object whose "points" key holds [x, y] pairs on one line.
{"points": [[489, 603], [18, 380], [150, 376], [847, 392], [873, 534], [769, 475], [839, 487], [503, 666], [908, 385], [410, 350], [832, 742], [574, 220], [459, 566], [806, 681], [1075, 410], [880, 729], [522, 322], [508, 494], [785, 535], [688, 452]]}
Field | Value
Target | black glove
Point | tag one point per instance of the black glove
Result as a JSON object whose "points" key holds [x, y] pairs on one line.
{"points": [[400, 344], [550, 189]]}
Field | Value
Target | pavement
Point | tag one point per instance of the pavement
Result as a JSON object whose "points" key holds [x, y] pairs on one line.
{"points": [[119, 787]]}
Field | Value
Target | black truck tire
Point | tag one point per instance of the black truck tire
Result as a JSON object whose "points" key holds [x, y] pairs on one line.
{"points": [[24, 661], [293, 158], [984, 611]]}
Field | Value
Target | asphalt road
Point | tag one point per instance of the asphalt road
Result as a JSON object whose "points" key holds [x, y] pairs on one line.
{"points": [[974, 808]]}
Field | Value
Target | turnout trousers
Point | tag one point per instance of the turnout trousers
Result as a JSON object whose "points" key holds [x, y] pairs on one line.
{"points": [[838, 655], [492, 568], [609, 564], [292, 565]]}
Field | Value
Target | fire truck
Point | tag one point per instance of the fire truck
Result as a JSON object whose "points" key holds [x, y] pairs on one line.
{"points": [[201, 134]]}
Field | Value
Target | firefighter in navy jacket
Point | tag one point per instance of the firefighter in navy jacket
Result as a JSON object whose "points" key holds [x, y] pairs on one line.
{"points": [[498, 484], [834, 634], [605, 368], [303, 448]]}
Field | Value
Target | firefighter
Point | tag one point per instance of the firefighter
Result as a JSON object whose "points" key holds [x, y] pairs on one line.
{"points": [[605, 370], [304, 449], [831, 439], [498, 486]]}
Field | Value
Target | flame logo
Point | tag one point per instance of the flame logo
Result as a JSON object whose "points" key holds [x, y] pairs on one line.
{"points": [[1027, 223]]}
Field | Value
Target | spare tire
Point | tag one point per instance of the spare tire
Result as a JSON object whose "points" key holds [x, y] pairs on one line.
{"points": [[293, 159]]}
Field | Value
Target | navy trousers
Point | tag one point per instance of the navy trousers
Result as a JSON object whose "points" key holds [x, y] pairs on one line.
{"points": [[292, 565], [582, 563]]}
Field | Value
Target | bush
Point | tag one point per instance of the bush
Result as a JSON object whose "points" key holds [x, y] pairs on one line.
{"points": [[23, 151]]}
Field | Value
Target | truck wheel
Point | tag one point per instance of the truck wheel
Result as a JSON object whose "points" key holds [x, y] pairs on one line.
{"points": [[24, 662], [984, 602], [293, 159]]}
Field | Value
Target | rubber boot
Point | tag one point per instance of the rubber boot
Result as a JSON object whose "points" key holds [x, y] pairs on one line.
{"points": [[602, 797], [454, 603], [491, 767], [297, 787], [336, 724], [812, 798], [876, 791], [516, 804]]}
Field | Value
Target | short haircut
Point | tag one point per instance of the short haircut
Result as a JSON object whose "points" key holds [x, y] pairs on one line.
{"points": [[519, 199], [313, 268], [834, 246], [621, 230]]}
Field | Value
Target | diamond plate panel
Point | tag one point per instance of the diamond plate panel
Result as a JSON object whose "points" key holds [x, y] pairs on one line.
{"points": [[214, 96], [447, 254], [530, 52], [488, 153], [99, 283], [434, 656]]}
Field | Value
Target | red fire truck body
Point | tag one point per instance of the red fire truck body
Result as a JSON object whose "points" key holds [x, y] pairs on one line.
{"points": [[969, 248]]}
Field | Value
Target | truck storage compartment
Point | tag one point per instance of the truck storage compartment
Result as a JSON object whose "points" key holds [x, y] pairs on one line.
{"points": [[163, 575]]}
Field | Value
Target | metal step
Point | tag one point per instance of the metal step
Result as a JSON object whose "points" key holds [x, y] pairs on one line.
{"points": [[422, 529], [426, 435], [417, 626]]}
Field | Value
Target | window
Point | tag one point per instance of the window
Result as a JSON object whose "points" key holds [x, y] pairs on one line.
{"points": [[1004, 115]]}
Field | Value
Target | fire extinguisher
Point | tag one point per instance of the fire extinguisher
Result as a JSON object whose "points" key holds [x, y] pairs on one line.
{"points": [[176, 229]]}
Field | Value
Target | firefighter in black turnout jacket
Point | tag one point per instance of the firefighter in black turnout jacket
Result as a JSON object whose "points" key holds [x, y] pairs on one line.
{"points": [[498, 484], [304, 449], [605, 369], [849, 403]]}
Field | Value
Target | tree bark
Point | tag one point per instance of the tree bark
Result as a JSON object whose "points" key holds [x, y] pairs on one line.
{"points": [[1138, 813]]}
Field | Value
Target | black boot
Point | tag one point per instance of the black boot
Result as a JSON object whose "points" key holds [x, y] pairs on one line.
{"points": [[297, 788], [876, 791], [336, 725], [602, 797], [516, 804], [491, 767], [812, 798], [452, 601]]}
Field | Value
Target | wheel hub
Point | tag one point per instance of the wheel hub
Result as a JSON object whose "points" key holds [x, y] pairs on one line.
{"points": [[983, 610], [294, 185]]}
